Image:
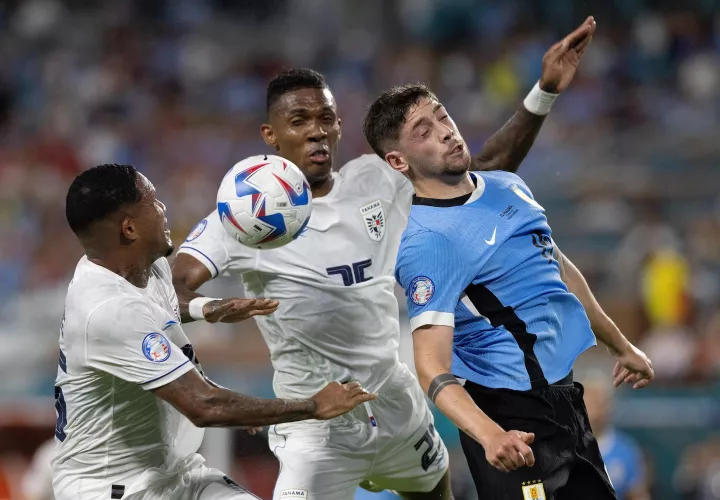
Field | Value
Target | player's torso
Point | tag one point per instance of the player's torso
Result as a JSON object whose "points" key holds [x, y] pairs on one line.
{"points": [[338, 313], [335, 284], [514, 284], [108, 428]]}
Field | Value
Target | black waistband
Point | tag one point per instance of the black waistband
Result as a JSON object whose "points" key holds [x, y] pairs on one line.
{"points": [[566, 381]]}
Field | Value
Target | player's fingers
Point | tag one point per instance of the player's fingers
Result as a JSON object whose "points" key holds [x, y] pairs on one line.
{"points": [[618, 380], [574, 38], [631, 378], [363, 397], [352, 385], [529, 457], [507, 463], [527, 437], [261, 312], [616, 369], [641, 383], [581, 47]]}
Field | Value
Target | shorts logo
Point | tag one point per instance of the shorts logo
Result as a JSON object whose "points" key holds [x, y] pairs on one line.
{"points": [[374, 217], [533, 490], [421, 290], [293, 494], [156, 347], [197, 230]]}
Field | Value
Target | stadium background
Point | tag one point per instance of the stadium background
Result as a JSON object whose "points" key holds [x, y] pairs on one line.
{"points": [[627, 167]]}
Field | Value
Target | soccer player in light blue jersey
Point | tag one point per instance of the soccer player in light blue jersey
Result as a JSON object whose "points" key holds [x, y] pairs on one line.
{"points": [[494, 302]]}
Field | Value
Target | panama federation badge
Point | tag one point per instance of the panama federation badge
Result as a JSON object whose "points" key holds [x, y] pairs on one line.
{"points": [[374, 217]]}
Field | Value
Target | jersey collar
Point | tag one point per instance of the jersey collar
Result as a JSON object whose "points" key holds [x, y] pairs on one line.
{"points": [[454, 202]]}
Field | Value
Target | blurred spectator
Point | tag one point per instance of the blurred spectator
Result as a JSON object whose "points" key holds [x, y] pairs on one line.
{"points": [[623, 457]]}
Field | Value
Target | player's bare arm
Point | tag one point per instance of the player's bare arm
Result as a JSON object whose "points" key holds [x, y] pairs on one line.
{"points": [[207, 405], [509, 146], [632, 366], [505, 450], [189, 274]]}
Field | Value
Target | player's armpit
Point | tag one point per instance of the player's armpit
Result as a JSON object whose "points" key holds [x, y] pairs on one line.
{"points": [[206, 405], [188, 274]]}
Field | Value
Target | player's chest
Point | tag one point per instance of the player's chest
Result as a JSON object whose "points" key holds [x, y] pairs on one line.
{"points": [[345, 243]]}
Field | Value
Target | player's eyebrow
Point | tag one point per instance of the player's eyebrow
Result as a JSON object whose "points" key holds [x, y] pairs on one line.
{"points": [[424, 119]]}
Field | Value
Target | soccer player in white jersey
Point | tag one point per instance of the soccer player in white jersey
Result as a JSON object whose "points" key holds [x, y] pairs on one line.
{"points": [[337, 316], [131, 397]]}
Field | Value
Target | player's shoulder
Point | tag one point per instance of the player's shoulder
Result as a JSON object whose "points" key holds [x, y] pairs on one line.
{"points": [[370, 173]]}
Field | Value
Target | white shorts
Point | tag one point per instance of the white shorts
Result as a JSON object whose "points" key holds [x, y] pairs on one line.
{"points": [[201, 483], [327, 460], [192, 481]]}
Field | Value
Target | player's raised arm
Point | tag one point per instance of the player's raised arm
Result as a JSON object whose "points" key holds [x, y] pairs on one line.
{"points": [[507, 148], [632, 366], [207, 405]]}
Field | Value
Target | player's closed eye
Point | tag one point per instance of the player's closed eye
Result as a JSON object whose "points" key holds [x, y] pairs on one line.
{"points": [[297, 122]]}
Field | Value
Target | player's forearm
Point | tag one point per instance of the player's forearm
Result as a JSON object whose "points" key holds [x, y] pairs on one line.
{"points": [[456, 404], [226, 408], [509, 146], [185, 295], [604, 327]]}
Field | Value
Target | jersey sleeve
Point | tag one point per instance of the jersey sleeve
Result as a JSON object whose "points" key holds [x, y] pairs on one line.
{"points": [[209, 243], [125, 339], [434, 276]]}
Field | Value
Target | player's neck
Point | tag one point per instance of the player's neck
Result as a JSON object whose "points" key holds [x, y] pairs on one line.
{"points": [[137, 274], [444, 188], [322, 187]]}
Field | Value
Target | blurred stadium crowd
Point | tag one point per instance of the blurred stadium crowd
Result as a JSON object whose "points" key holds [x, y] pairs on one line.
{"points": [[627, 164]]}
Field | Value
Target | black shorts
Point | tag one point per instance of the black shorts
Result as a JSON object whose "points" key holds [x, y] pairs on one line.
{"points": [[568, 465]]}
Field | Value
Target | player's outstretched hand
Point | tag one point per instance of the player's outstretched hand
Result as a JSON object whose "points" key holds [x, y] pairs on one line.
{"points": [[336, 398], [562, 59], [234, 310], [633, 367], [507, 451]]}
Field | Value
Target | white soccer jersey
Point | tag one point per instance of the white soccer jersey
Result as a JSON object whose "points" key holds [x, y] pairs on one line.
{"points": [[118, 341], [338, 316]]}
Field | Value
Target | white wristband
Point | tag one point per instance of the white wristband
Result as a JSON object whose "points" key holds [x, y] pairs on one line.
{"points": [[195, 307], [539, 102]]}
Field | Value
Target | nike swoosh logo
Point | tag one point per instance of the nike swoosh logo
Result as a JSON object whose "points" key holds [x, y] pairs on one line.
{"points": [[491, 241]]}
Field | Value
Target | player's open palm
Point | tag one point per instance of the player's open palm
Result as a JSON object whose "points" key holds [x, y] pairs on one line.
{"points": [[510, 450], [633, 367], [234, 310], [335, 399], [561, 61]]}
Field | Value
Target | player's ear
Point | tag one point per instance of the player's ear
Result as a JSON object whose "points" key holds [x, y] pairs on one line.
{"points": [[268, 135], [339, 128], [128, 228], [397, 161]]}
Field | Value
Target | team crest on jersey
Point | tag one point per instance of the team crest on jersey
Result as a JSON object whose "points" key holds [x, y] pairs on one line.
{"points": [[533, 490], [421, 290], [156, 347], [197, 230], [374, 217]]}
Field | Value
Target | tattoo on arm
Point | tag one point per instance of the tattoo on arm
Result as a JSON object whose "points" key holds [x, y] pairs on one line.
{"points": [[439, 383], [509, 146], [208, 405]]}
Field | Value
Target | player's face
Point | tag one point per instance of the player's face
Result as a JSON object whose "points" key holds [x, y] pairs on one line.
{"points": [[430, 144], [151, 223], [305, 129]]}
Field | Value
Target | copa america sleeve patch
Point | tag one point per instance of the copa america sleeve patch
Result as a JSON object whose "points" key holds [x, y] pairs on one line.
{"points": [[421, 290], [197, 230], [156, 347]]}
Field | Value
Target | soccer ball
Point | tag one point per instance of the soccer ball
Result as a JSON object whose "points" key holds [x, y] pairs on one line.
{"points": [[264, 201]]}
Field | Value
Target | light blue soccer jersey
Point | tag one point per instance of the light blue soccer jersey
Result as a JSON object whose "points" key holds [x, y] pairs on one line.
{"points": [[484, 265]]}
